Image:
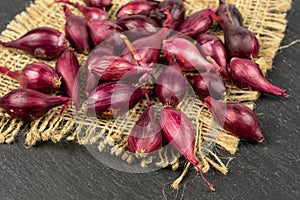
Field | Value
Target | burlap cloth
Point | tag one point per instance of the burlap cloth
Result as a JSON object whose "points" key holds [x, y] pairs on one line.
{"points": [[266, 18]]}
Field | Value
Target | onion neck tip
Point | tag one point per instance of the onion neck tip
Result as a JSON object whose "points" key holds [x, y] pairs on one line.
{"points": [[261, 140]]}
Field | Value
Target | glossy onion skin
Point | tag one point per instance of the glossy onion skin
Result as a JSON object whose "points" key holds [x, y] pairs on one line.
{"points": [[67, 67], [170, 87], [43, 42], [37, 76], [28, 105], [208, 84], [197, 23], [187, 55], [137, 26], [77, 32], [90, 13], [211, 45], [103, 4], [113, 99], [148, 48], [179, 132], [145, 137], [239, 41], [114, 68], [239, 120], [246, 73], [176, 9], [97, 53], [142, 7]]}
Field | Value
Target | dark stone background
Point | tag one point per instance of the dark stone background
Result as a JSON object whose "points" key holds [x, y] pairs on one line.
{"points": [[266, 171]]}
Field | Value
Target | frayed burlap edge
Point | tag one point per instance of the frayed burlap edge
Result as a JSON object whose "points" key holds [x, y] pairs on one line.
{"points": [[266, 18]]}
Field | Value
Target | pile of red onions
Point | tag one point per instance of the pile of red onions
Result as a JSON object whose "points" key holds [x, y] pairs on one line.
{"points": [[115, 66]]}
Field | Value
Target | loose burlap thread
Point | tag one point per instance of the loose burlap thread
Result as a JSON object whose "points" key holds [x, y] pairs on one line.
{"points": [[265, 18]]}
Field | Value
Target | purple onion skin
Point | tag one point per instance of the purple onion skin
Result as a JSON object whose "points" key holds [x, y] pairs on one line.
{"points": [[137, 7], [239, 41], [176, 9], [43, 42], [77, 32], [97, 53], [114, 68], [28, 105], [37, 76], [239, 120], [113, 99], [223, 13], [145, 137], [90, 13], [171, 86], [147, 47], [103, 4], [179, 132], [196, 23], [187, 55], [234, 14], [211, 45], [105, 32], [246, 73], [208, 84], [67, 67], [137, 26]]}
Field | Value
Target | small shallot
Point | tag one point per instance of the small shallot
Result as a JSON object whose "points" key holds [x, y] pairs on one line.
{"points": [[97, 53], [236, 118], [197, 23], [43, 42], [76, 30], [149, 47], [170, 87], [246, 73], [28, 105], [239, 41], [142, 7], [37, 76], [90, 13], [208, 84], [67, 67], [212, 46], [137, 26], [145, 137], [187, 55], [180, 133], [114, 68], [112, 99]]}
